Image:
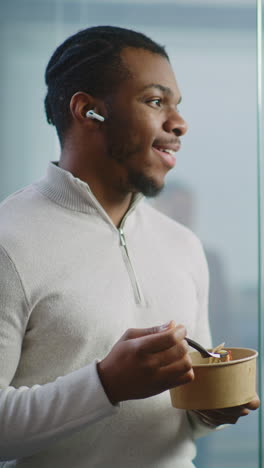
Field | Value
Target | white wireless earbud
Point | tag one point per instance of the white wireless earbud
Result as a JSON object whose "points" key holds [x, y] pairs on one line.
{"points": [[92, 115]]}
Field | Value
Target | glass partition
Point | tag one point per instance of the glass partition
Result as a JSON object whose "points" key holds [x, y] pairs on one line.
{"points": [[260, 158], [213, 190]]}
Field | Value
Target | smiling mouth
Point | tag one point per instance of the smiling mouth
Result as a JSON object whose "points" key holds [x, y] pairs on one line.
{"points": [[168, 155]]}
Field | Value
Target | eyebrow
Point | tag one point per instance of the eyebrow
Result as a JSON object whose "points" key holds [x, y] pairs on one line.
{"points": [[164, 89]]}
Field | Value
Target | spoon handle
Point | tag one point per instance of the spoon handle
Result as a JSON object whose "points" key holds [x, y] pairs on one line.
{"points": [[198, 347], [204, 353]]}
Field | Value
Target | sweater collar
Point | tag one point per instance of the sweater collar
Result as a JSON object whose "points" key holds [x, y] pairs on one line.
{"points": [[69, 191]]}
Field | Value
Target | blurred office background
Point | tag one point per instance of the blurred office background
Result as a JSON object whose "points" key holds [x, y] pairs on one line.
{"points": [[213, 189]]}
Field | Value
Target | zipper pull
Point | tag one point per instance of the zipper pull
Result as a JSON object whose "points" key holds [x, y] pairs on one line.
{"points": [[122, 237]]}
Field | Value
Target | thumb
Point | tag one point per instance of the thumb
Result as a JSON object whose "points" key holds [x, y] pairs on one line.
{"points": [[253, 404], [132, 333]]}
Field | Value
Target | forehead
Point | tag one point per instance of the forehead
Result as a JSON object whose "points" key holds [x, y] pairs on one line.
{"points": [[147, 67]]}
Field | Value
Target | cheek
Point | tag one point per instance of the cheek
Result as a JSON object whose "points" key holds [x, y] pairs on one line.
{"points": [[138, 131], [145, 128]]}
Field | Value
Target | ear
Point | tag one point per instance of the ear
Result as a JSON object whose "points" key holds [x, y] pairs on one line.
{"points": [[80, 103]]}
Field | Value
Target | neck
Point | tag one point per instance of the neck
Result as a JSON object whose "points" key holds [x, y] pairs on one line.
{"points": [[115, 211], [114, 202]]}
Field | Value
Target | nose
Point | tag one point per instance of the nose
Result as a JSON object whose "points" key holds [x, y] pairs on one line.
{"points": [[175, 124]]}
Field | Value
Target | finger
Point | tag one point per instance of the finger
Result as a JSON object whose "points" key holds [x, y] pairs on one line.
{"points": [[172, 324], [175, 381], [253, 404], [217, 417], [172, 354], [163, 340], [245, 412], [224, 415], [184, 379], [175, 374], [133, 333], [205, 418]]}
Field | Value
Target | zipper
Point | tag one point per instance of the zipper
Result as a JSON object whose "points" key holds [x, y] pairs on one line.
{"points": [[129, 266], [130, 269]]}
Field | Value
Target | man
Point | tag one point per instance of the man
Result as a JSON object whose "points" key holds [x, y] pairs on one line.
{"points": [[85, 261]]}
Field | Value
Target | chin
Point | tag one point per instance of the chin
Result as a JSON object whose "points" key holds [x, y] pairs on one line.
{"points": [[147, 185]]}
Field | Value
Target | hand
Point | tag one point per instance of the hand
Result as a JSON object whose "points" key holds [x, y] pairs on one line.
{"points": [[145, 362], [227, 415]]}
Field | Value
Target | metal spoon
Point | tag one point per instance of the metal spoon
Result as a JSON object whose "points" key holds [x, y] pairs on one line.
{"points": [[204, 351]]}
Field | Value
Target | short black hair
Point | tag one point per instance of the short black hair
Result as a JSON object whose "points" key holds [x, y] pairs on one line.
{"points": [[89, 61]]}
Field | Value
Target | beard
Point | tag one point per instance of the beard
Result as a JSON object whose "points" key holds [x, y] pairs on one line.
{"points": [[136, 180], [139, 182], [123, 149]]}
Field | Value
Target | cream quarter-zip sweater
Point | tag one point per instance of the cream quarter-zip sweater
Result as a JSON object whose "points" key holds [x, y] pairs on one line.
{"points": [[71, 283]]}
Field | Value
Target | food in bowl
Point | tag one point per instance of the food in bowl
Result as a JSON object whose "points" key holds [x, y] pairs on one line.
{"points": [[224, 358]]}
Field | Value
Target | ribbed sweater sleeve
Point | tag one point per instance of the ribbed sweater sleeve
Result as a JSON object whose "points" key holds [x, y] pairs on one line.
{"points": [[33, 418]]}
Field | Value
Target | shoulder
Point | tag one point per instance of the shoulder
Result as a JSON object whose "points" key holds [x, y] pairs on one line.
{"points": [[170, 229], [175, 242], [13, 202], [18, 213]]}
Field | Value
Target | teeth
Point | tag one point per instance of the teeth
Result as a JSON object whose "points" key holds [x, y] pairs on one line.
{"points": [[167, 151]]}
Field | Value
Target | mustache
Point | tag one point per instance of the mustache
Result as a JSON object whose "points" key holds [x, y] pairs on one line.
{"points": [[172, 141]]}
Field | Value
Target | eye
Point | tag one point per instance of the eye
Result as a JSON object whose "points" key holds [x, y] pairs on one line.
{"points": [[156, 102]]}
